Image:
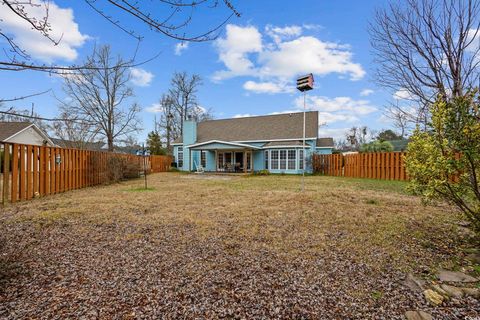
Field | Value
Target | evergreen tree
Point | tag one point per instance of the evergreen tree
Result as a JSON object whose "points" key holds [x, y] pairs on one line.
{"points": [[154, 144]]}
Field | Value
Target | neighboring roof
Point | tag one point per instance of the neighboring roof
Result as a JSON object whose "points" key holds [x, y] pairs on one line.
{"points": [[324, 143], [259, 128], [94, 146], [8, 129], [274, 144]]}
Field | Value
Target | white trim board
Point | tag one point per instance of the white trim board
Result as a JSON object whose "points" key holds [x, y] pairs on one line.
{"points": [[224, 142]]}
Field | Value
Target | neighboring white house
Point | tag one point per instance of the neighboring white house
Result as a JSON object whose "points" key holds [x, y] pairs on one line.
{"points": [[23, 133]]}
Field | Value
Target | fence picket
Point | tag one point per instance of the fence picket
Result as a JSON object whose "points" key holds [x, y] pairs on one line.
{"points": [[378, 165]]}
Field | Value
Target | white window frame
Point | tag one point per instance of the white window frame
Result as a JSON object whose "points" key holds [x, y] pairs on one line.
{"points": [[180, 152], [300, 159], [291, 160], [275, 163]]}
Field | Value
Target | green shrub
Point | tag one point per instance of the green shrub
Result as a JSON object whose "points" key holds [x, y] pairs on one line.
{"points": [[263, 172], [444, 162], [376, 146]]}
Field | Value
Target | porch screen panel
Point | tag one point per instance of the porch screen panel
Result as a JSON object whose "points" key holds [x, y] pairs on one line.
{"points": [[283, 159], [220, 160], [228, 158], [274, 164], [249, 161], [291, 160]]}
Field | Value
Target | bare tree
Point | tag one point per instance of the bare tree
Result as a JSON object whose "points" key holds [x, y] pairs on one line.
{"points": [[183, 94], [425, 48], [99, 96], [11, 114], [178, 105], [357, 136], [170, 18], [73, 132], [401, 118]]}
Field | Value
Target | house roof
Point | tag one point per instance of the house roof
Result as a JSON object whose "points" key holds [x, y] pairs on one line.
{"points": [[94, 146], [324, 143], [258, 128], [8, 129]]}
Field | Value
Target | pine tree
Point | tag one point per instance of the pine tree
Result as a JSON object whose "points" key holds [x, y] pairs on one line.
{"points": [[154, 144]]}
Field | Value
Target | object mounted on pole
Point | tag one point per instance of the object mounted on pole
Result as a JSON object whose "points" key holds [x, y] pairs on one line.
{"points": [[305, 83]]}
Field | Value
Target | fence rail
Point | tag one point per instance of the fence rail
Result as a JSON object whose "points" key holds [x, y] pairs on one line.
{"points": [[29, 171], [380, 165]]}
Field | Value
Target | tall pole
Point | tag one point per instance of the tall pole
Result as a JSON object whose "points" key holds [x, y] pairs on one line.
{"points": [[144, 165], [303, 146], [304, 83]]}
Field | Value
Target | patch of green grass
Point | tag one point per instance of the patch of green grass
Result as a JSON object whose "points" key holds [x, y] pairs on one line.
{"points": [[141, 189], [376, 295], [476, 269], [372, 201]]}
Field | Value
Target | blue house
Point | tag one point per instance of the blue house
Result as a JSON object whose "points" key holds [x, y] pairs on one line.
{"points": [[273, 142]]}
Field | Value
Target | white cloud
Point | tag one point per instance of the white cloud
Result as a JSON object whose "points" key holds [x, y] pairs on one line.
{"points": [[267, 87], [309, 54], [278, 33], [234, 51], [335, 133], [366, 92], [180, 47], [320, 103], [155, 108], [244, 115], [402, 94], [474, 37], [330, 117], [244, 53], [141, 77], [63, 29]]}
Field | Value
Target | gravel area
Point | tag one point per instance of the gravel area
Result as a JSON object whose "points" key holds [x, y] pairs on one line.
{"points": [[241, 248]]}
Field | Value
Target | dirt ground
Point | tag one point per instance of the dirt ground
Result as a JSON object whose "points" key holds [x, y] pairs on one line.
{"points": [[227, 247]]}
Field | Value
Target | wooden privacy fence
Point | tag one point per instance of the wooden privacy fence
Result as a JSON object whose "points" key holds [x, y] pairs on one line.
{"points": [[379, 165], [29, 171]]}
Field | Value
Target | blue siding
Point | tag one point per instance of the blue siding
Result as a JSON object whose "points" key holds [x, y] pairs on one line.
{"points": [[190, 137]]}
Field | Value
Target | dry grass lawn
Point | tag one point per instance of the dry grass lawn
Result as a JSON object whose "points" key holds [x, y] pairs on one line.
{"points": [[236, 247]]}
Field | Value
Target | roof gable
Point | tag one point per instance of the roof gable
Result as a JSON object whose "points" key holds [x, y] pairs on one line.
{"points": [[259, 128], [9, 129]]}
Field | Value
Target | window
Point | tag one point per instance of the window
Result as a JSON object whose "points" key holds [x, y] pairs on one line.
{"points": [[283, 159], [291, 160], [274, 164], [300, 159], [266, 160], [180, 157], [203, 158], [249, 161]]}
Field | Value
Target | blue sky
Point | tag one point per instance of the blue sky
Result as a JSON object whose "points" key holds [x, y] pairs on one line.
{"points": [[249, 70]]}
